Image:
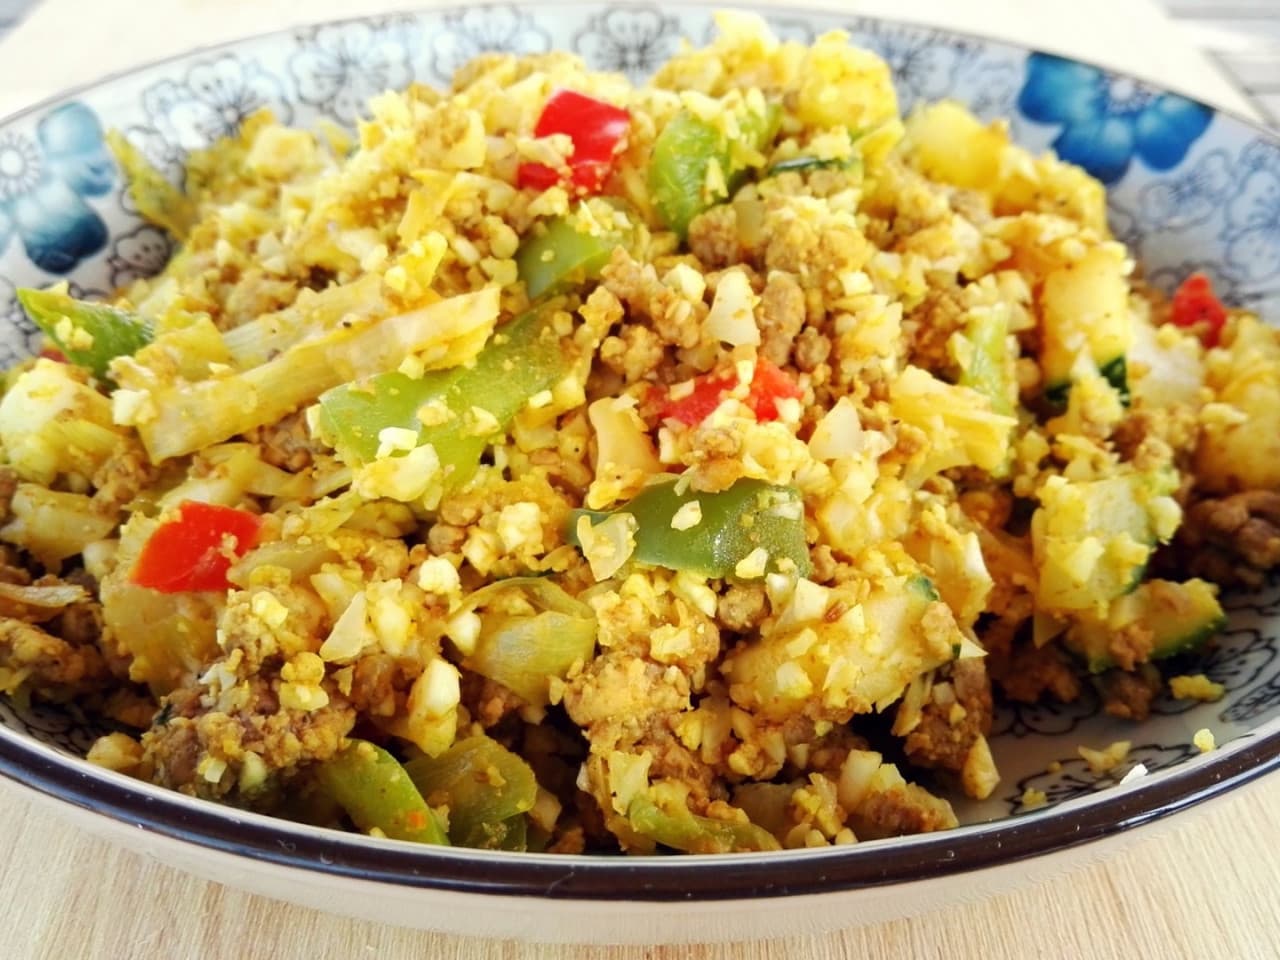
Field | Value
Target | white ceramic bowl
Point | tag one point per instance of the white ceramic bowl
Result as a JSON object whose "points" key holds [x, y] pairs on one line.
{"points": [[1190, 189]]}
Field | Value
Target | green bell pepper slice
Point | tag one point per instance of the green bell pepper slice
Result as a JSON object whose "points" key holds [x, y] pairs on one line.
{"points": [[990, 367], [377, 792], [805, 163], [682, 157], [735, 522], [693, 834], [158, 200], [522, 358], [1115, 372], [90, 335], [487, 789], [559, 254], [531, 630]]}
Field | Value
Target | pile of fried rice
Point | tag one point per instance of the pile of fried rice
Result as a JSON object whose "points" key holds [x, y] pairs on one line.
{"points": [[701, 497]]}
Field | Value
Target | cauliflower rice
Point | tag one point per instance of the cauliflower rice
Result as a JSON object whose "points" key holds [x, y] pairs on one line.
{"points": [[699, 495]]}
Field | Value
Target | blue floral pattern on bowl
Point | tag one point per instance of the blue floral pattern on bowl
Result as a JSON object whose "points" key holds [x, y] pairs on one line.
{"points": [[467, 33], [43, 183], [1072, 777], [1188, 191], [925, 66], [209, 102], [1252, 233], [635, 41], [338, 67], [1107, 120]]}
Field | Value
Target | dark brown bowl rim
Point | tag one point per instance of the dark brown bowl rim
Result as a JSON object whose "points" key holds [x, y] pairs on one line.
{"points": [[646, 879], [660, 878]]}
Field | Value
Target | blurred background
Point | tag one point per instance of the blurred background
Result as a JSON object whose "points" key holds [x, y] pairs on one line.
{"points": [[1241, 37]]}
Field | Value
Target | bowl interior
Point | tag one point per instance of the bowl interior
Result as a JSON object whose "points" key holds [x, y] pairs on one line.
{"points": [[1190, 189]]}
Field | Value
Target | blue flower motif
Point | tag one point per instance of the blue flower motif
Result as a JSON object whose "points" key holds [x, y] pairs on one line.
{"points": [[1125, 226], [467, 33], [19, 337], [925, 63], [210, 102], [339, 67], [1262, 700], [631, 40], [43, 183], [1072, 777], [1189, 197], [1107, 120], [1050, 718], [140, 253], [1253, 226], [1236, 662]]}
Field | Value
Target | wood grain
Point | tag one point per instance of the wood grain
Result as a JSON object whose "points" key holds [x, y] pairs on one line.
{"points": [[1204, 887]]}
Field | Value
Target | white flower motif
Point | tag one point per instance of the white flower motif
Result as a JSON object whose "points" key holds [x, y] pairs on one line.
{"points": [[634, 41], [1261, 154], [141, 253], [79, 292], [9, 306], [19, 337], [1129, 96], [1235, 662], [166, 157], [1189, 198], [484, 30], [924, 63], [1253, 226], [1126, 227], [1074, 778], [995, 88], [211, 102], [20, 165], [1260, 701], [340, 66], [1047, 717]]}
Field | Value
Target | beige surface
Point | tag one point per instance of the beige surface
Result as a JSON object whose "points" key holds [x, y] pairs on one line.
{"points": [[1205, 888]]}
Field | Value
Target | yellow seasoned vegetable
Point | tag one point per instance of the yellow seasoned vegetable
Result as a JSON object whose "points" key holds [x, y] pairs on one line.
{"points": [[1240, 446], [173, 419], [1092, 539], [1087, 319], [54, 424], [634, 477], [950, 144]]}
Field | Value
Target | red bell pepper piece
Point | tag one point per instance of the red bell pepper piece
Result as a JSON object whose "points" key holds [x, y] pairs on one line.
{"points": [[596, 129], [1197, 308], [195, 550], [768, 386]]}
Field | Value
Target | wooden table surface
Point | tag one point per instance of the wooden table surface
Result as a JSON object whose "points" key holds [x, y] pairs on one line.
{"points": [[1201, 886]]}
